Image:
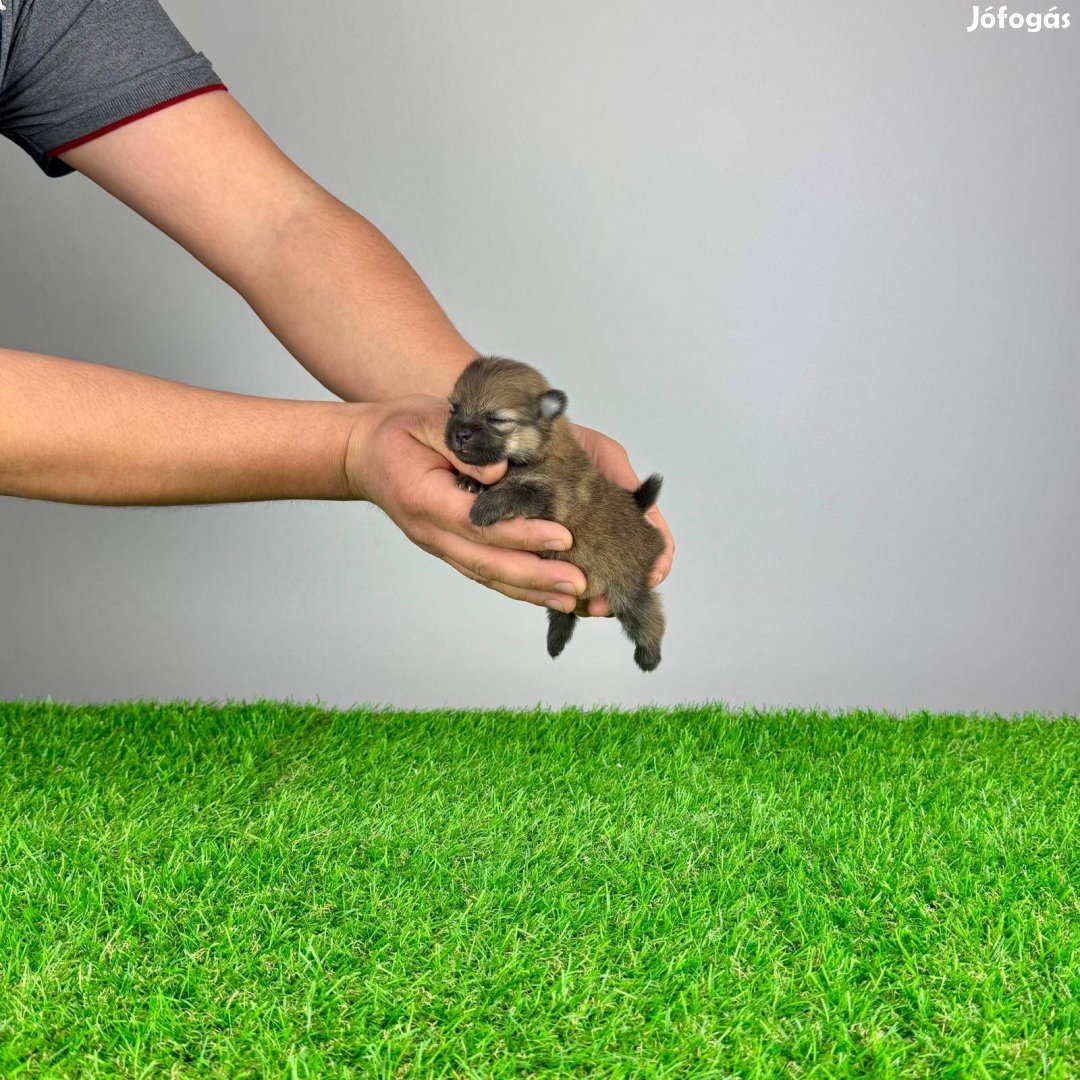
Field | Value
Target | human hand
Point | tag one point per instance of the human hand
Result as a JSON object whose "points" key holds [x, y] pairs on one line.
{"points": [[397, 458], [611, 460]]}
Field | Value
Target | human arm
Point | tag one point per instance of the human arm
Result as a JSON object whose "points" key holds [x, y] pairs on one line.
{"points": [[87, 433], [328, 284]]}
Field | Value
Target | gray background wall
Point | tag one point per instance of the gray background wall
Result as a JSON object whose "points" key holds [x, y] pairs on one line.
{"points": [[818, 263]]}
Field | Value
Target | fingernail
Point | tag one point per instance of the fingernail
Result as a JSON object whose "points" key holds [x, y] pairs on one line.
{"points": [[554, 545], [566, 587], [556, 606]]}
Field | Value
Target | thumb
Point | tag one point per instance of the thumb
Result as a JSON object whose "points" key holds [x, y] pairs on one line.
{"points": [[431, 431], [486, 474]]}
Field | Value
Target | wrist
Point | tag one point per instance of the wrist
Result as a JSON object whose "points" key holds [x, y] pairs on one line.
{"points": [[362, 421]]}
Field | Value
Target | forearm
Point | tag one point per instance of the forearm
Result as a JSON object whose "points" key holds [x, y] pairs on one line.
{"points": [[351, 309], [85, 433]]}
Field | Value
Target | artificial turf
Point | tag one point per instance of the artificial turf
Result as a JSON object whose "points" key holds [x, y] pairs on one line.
{"points": [[280, 890]]}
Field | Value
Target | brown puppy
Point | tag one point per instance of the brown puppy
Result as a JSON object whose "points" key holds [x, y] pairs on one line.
{"points": [[503, 410]]}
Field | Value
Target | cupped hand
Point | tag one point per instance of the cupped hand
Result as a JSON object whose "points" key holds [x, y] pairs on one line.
{"points": [[397, 459], [611, 460]]}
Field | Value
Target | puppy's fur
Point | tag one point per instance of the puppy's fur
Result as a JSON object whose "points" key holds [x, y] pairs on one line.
{"points": [[504, 410]]}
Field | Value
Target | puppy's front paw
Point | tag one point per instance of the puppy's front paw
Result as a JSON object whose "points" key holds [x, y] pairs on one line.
{"points": [[467, 483], [484, 512]]}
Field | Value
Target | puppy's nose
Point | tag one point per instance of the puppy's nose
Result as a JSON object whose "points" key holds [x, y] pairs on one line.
{"points": [[462, 435]]}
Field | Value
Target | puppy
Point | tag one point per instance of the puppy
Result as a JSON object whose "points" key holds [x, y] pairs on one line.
{"points": [[503, 410]]}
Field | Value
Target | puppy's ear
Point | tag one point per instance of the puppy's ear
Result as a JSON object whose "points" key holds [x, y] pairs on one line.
{"points": [[552, 404]]}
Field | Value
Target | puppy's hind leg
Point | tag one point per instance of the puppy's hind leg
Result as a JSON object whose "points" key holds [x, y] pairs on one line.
{"points": [[642, 618], [560, 628]]}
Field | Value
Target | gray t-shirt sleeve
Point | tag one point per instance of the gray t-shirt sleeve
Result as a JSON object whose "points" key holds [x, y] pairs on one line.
{"points": [[71, 70]]}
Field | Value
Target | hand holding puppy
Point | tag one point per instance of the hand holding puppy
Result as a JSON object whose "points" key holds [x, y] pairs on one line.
{"points": [[396, 458]]}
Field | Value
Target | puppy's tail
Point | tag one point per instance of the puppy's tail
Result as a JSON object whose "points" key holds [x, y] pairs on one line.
{"points": [[646, 495]]}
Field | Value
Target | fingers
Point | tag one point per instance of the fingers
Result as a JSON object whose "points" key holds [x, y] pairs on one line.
{"points": [[615, 465], [520, 569], [524, 534], [447, 506], [553, 600], [597, 607], [662, 567]]}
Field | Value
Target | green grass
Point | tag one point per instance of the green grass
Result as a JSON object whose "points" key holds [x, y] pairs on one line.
{"points": [[273, 890]]}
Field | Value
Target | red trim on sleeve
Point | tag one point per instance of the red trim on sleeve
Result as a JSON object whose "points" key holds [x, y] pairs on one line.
{"points": [[65, 147]]}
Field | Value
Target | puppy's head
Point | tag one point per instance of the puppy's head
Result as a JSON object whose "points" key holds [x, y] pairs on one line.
{"points": [[501, 410]]}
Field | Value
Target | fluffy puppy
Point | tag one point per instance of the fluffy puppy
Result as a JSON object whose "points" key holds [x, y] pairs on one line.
{"points": [[503, 410]]}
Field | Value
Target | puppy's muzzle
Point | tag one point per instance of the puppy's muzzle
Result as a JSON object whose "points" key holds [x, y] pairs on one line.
{"points": [[462, 437]]}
